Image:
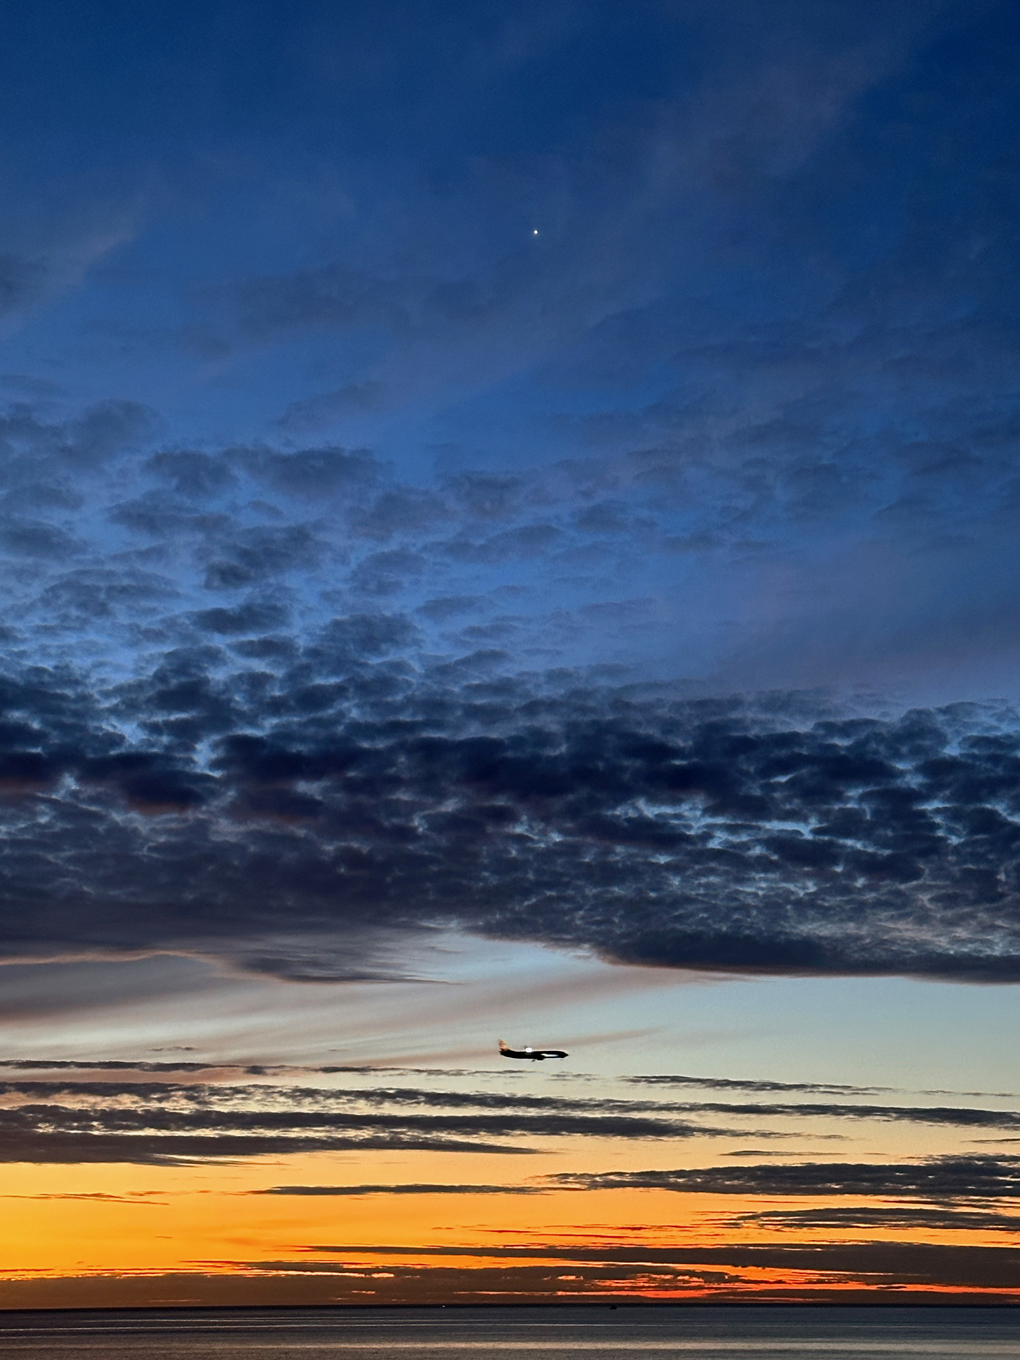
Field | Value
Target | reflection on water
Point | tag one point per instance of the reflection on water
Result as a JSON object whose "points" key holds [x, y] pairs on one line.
{"points": [[569, 1331]]}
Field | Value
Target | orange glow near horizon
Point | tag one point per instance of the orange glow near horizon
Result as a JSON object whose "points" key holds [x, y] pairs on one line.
{"points": [[127, 1224]]}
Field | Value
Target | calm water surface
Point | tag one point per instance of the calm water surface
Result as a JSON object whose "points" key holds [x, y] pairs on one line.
{"points": [[506, 1334]]}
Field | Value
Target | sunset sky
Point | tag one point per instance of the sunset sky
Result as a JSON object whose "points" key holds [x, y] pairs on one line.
{"points": [[509, 521]]}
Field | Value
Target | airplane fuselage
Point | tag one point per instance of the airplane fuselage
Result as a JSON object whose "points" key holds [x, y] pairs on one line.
{"points": [[531, 1054]]}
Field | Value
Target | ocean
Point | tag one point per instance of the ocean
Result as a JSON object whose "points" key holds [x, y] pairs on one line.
{"points": [[624, 1333]]}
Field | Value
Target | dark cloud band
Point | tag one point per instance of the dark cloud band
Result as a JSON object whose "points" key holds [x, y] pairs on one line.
{"points": [[348, 802], [939, 1178]]}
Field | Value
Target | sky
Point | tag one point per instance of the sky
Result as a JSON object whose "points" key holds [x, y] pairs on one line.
{"points": [[508, 521]]}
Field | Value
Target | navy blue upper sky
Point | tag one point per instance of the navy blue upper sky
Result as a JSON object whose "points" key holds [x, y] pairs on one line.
{"points": [[385, 379]]}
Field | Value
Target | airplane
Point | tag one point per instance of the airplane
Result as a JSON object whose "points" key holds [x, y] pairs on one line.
{"points": [[535, 1054]]}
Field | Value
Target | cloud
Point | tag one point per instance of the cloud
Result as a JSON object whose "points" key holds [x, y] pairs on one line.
{"points": [[305, 1283], [949, 1116], [122, 1110], [411, 1189], [885, 1263], [34, 539], [235, 715], [346, 801], [150, 1137], [320, 412], [260, 553], [886, 1217], [937, 1178], [144, 1121], [251, 617], [122, 1065], [729, 1084], [308, 472], [605, 1108]]}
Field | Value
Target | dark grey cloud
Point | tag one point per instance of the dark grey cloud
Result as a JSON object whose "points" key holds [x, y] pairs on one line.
{"points": [[527, 540], [253, 617], [876, 1262], [402, 511], [887, 1217], [617, 1118], [308, 472], [48, 1133], [450, 606], [936, 1178], [306, 1283], [238, 1070], [192, 473], [159, 515], [106, 1103], [491, 496], [730, 1084], [385, 573], [912, 1262], [858, 1218], [410, 1189], [94, 593], [259, 554], [23, 1139], [122, 1065], [32, 538], [43, 496], [78, 1119], [104, 430], [323, 410], [948, 1116]]}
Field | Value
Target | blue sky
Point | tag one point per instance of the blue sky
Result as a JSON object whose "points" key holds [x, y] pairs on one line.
{"points": [[743, 404], [534, 477]]}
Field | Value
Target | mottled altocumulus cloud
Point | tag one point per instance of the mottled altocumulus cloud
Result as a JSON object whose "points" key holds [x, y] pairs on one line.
{"points": [[300, 819]]}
